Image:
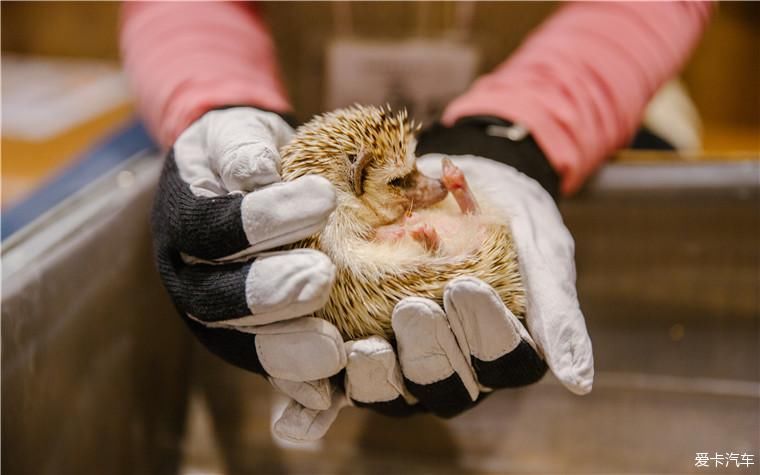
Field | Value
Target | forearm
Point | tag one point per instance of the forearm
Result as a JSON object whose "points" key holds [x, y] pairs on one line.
{"points": [[581, 83], [185, 58]]}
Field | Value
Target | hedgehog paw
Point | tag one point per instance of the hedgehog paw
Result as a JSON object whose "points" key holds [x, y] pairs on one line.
{"points": [[390, 233], [454, 181], [426, 235]]}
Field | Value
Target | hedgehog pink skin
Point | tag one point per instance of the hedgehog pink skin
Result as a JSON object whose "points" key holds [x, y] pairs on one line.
{"points": [[395, 233], [455, 182], [423, 232]]}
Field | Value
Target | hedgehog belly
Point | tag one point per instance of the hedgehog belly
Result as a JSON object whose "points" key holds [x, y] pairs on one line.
{"points": [[361, 303]]}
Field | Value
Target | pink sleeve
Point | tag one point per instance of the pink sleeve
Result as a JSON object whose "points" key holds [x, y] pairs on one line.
{"points": [[185, 58], [581, 82]]}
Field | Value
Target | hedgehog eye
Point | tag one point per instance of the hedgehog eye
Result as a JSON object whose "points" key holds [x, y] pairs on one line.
{"points": [[401, 182]]}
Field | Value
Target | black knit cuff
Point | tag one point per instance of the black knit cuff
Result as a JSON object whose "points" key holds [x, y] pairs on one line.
{"points": [[490, 137]]}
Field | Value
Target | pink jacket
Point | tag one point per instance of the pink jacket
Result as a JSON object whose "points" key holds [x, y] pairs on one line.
{"points": [[579, 83]]}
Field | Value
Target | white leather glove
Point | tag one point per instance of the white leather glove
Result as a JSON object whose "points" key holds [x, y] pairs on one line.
{"points": [[220, 204], [447, 359], [483, 328]]}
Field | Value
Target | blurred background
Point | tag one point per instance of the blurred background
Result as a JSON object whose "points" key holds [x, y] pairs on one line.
{"points": [[721, 78], [98, 376]]}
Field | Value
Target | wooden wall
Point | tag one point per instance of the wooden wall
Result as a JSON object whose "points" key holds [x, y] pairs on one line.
{"points": [[723, 75]]}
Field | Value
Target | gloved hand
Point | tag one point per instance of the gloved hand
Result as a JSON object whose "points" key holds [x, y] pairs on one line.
{"points": [[446, 360], [219, 205]]}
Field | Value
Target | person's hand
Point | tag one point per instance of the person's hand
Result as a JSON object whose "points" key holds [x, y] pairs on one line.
{"points": [[446, 359], [219, 204]]}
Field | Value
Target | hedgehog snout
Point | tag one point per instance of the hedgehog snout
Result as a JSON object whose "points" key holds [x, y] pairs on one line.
{"points": [[423, 191]]}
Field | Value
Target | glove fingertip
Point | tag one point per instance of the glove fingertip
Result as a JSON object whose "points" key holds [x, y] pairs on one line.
{"points": [[584, 379], [295, 423], [577, 386], [284, 285], [299, 424], [576, 371], [310, 394]]}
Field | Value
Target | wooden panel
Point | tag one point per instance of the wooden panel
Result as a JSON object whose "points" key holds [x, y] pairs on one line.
{"points": [[722, 76], [79, 29]]}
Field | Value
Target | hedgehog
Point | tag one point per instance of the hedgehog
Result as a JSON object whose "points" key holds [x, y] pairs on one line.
{"points": [[395, 232]]}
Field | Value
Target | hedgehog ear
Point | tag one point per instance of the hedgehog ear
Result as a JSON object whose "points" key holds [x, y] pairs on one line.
{"points": [[357, 171]]}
